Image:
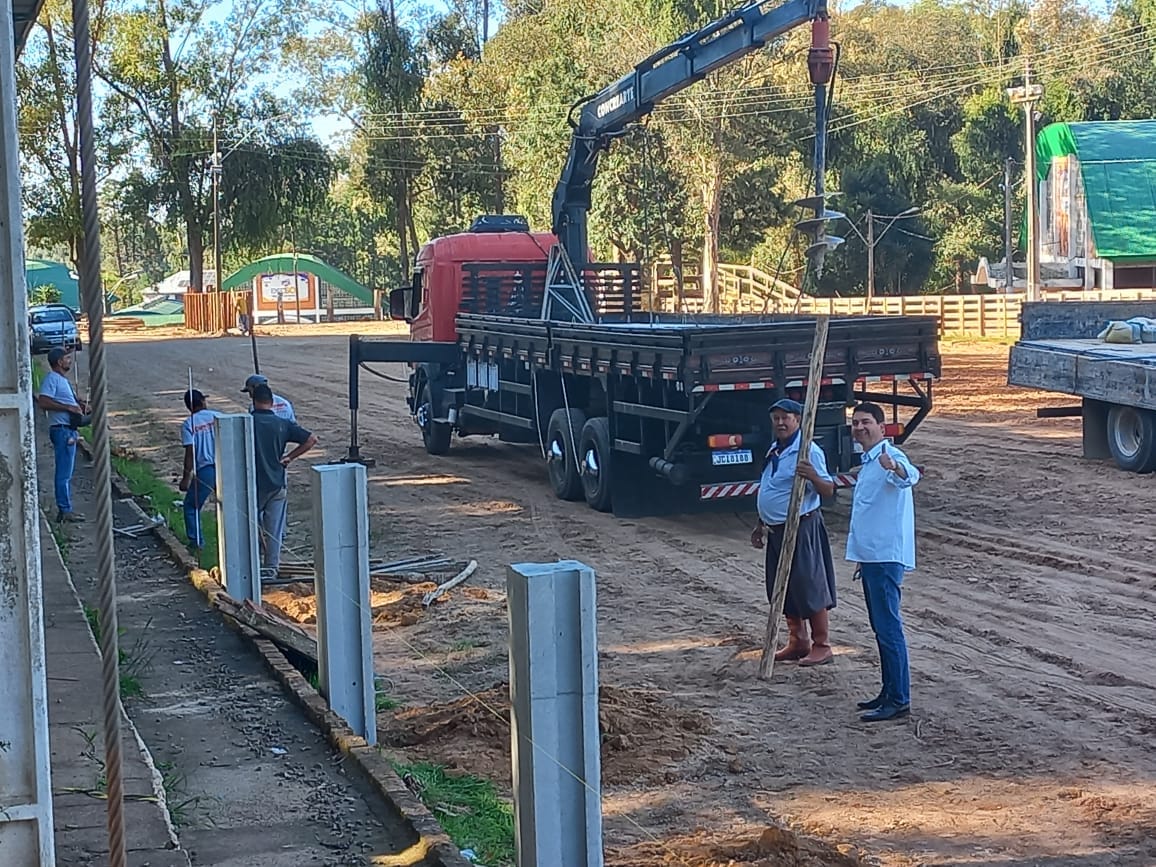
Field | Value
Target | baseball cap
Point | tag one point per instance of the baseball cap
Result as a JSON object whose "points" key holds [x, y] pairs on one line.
{"points": [[787, 405], [54, 355], [253, 381], [193, 397]]}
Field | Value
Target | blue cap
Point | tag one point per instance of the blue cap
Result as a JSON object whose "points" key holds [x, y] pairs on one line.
{"points": [[788, 405]]}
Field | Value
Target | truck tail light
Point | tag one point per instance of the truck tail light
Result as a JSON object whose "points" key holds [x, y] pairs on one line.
{"points": [[724, 441], [892, 430]]}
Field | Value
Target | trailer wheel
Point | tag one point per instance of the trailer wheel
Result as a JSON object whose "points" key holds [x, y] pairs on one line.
{"points": [[1132, 438], [435, 434], [594, 463], [563, 435]]}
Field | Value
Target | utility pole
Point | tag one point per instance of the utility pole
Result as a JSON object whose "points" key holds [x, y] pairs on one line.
{"points": [[216, 175], [870, 256], [1009, 278], [1027, 96]]}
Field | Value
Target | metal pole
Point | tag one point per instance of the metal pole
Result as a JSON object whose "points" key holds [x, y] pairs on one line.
{"points": [[870, 256], [92, 292], [1009, 278], [1030, 174], [1028, 96], [216, 173], [26, 824]]}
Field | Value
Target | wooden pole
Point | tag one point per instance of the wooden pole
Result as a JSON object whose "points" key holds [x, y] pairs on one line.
{"points": [[791, 530]]}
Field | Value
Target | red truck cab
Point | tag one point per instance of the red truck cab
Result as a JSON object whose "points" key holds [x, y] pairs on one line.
{"points": [[441, 276]]}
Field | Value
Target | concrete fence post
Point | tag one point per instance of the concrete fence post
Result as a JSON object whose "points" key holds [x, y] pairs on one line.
{"points": [[344, 624], [237, 507], [554, 720]]}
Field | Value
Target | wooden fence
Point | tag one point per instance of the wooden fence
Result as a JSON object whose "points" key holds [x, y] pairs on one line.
{"points": [[743, 289], [211, 312]]}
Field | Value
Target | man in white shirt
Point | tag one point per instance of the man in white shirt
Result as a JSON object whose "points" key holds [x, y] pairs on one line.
{"points": [[811, 582], [881, 540], [281, 407], [59, 401], [199, 439]]}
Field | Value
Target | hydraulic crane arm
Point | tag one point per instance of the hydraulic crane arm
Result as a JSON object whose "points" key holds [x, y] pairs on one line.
{"points": [[608, 113]]}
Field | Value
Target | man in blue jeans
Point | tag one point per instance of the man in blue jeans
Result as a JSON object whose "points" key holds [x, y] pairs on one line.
{"points": [[199, 439], [59, 401], [271, 434], [882, 541]]}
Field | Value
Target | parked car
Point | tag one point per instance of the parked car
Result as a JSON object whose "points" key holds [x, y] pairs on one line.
{"points": [[52, 325]]}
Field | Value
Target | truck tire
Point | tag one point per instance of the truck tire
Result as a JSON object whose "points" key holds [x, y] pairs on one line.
{"points": [[435, 434], [563, 435], [1132, 438], [594, 463]]}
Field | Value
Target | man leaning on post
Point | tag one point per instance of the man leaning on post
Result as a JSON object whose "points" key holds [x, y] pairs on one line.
{"points": [[811, 583]]}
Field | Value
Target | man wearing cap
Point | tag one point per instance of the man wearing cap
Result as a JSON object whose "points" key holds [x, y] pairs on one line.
{"points": [[199, 438], [811, 584], [271, 433], [281, 407], [58, 399]]}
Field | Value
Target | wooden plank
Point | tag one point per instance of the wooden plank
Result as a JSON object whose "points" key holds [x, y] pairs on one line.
{"points": [[1128, 383]]}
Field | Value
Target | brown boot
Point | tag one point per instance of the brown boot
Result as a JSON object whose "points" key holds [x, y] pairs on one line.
{"points": [[798, 646], [821, 649]]}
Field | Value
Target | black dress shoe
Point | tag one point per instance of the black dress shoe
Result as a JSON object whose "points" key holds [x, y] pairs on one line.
{"points": [[871, 704], [886, 712]]}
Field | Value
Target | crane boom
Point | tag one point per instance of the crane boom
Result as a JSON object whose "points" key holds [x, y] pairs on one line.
{"points": [[608, 113]]}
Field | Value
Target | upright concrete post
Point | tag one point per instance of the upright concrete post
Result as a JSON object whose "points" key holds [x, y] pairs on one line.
{"points": [[237, 523], [26, 831], [344, 625], [554, 723]]}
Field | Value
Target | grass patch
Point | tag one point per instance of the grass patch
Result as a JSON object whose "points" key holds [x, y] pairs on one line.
{"points": [[132, 662], [39, 371], [468, 808], [144, 482]]}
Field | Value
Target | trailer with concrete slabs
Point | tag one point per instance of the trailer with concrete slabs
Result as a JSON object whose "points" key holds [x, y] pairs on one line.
{"points": [[1059, 351]]}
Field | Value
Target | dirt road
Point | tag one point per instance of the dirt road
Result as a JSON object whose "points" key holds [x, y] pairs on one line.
{"points": [[1031, 622]]}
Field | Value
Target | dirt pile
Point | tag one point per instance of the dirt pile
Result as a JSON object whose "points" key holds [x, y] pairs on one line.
{"points": [[643, 734], [774, 847], [391, 604]]}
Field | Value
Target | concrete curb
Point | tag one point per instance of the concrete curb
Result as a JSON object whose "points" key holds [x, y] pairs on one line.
{"points": [[433, 844]]}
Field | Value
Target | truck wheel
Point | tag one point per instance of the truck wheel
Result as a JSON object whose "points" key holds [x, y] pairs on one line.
{"points": [[1132, 438], [435, 434], [563, 435], [594, 463]]}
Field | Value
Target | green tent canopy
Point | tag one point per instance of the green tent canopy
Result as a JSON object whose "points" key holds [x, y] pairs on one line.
{"points": [[287, 263], [1118, 168]]}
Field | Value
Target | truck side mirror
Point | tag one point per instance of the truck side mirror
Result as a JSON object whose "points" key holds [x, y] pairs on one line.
{"points": [[399, 304]]}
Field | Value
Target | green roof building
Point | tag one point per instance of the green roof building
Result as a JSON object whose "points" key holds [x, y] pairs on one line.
{"points": [[1097, 202], [44, 272]]}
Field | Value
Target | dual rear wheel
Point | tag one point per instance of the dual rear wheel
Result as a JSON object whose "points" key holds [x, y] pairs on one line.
{"points": [[578, 457]]}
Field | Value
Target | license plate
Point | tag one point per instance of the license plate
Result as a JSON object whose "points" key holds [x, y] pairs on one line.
{"points": [[735, 456]]}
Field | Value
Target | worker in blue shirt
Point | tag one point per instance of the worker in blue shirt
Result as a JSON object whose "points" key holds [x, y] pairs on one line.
{"points": [[199, 479], [881, 540], [65, 410], [281, 407], [811, 581]]}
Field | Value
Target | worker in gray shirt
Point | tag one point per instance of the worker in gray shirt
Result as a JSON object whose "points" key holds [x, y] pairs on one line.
{"points": [[59, 401], [271, 434]]}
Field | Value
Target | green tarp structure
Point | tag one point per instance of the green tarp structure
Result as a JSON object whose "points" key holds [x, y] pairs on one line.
{"points": [[45, 272], [1118, 168], [159, 311], [288, 263]]}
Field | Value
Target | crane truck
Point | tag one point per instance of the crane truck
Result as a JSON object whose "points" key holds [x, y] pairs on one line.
{"points": [[517, 334]]}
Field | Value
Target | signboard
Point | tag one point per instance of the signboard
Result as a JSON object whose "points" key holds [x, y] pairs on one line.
{"points": [[274, 287]]}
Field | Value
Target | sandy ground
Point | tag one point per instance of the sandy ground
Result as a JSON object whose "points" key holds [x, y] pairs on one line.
{"points": [[1030, 620]]}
